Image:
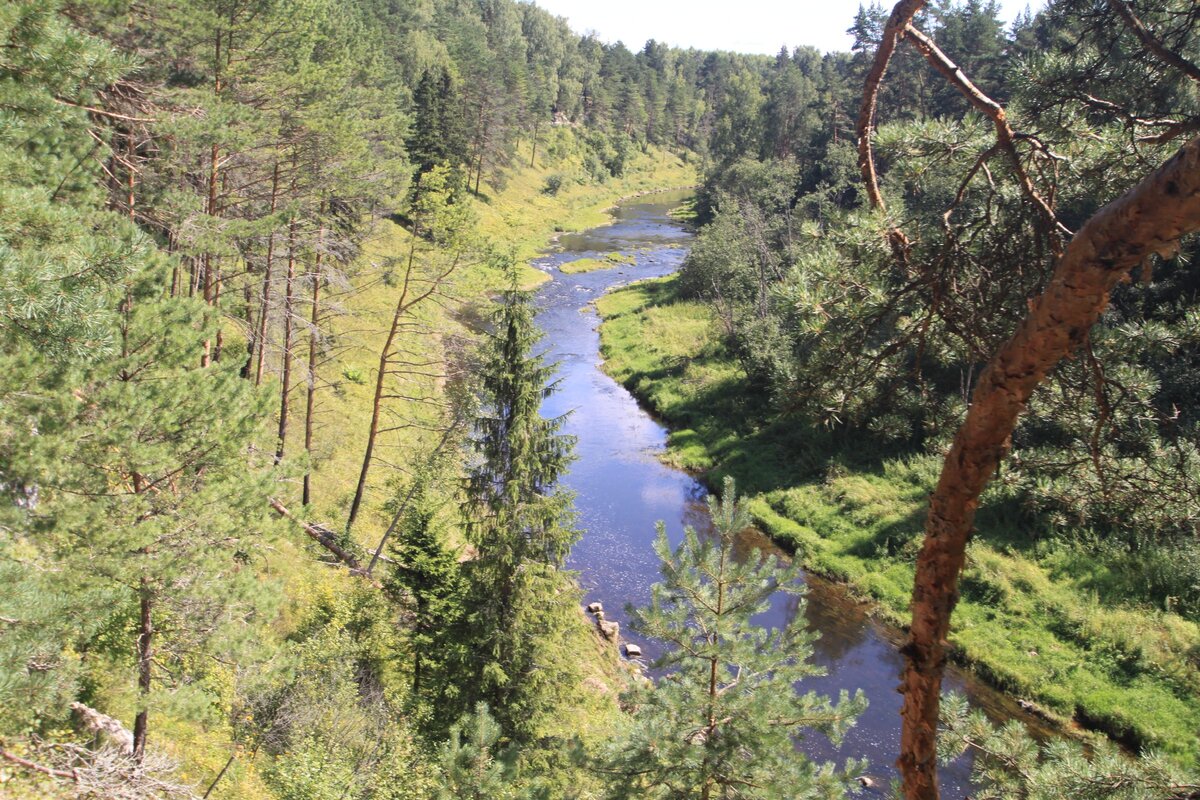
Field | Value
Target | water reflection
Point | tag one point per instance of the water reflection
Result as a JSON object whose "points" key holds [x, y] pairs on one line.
{"points": [[623, 490]]}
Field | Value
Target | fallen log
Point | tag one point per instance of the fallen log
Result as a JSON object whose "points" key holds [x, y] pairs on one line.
{"points": [[322, 536]]}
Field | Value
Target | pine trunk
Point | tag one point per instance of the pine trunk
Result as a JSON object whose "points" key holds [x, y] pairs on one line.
{"points": [[214, 170], [145, 658], [314, 340], [533, 150], [1150, 218], [286, 387], [261, 337]]}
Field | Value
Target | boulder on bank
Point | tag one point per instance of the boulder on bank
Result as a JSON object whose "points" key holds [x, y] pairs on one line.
{"points": [[632, 651], [595, 608], [610, 630]]}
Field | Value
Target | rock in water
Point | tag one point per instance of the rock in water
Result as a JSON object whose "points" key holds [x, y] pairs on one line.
{"points": [[595, 608], [632, 651]]}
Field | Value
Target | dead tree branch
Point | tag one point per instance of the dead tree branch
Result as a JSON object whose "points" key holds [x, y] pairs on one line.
{"points": [[322, 536]]}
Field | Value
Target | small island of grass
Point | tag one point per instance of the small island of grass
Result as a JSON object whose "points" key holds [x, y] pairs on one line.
{"points": [[608, 261]]}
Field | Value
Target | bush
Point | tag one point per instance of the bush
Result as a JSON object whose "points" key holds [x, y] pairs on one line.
{"points": [[553, 184]]}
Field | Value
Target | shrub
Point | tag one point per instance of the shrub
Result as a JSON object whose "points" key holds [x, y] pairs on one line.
{"points": [[553, 184]]}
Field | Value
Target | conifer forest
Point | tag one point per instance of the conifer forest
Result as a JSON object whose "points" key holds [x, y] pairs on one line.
{"points": [[425, 399]]}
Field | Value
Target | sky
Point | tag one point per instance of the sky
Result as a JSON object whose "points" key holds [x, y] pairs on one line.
{"points": [[744, 26]]}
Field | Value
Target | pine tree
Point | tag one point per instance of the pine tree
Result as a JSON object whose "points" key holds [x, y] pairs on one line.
{"points": [[1008, 762], [475, 768], [723, 721], [58, 252]]}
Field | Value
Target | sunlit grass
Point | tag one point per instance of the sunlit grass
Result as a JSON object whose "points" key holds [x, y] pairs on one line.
{"points": [[1029, 619], [609, 261]]}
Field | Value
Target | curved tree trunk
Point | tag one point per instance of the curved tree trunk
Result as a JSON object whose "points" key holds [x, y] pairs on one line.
{"points": [[901, 16], [1148, 219]]}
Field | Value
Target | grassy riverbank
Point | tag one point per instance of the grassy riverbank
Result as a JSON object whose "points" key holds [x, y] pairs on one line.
{"points": [[1031, 620], [522, 218]]}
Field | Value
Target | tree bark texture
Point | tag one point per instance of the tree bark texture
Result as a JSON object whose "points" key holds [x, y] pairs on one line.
{"points": [[1149, 219]]}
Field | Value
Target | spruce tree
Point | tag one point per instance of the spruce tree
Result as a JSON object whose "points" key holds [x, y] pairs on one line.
{"points": [[723, 721], [517, 513], [437, 132], [427, 573], [518, 519]]}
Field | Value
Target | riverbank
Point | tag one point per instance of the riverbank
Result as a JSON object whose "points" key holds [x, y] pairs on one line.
{"points": [[1029, 622], [522, 218]]}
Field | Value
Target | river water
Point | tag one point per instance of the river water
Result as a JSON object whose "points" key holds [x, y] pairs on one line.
{"points": [[623, 489]]}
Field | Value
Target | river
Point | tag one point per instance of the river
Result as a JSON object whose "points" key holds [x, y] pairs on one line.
{"points": [[623, 489]]}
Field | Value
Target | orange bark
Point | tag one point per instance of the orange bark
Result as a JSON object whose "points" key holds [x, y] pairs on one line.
{"points": [[902, 14], [1148, 219]]}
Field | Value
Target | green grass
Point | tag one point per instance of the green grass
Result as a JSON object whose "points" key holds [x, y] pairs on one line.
{"points": [[685, 211], [1029, 621], [609, 261], [521, 219]]}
